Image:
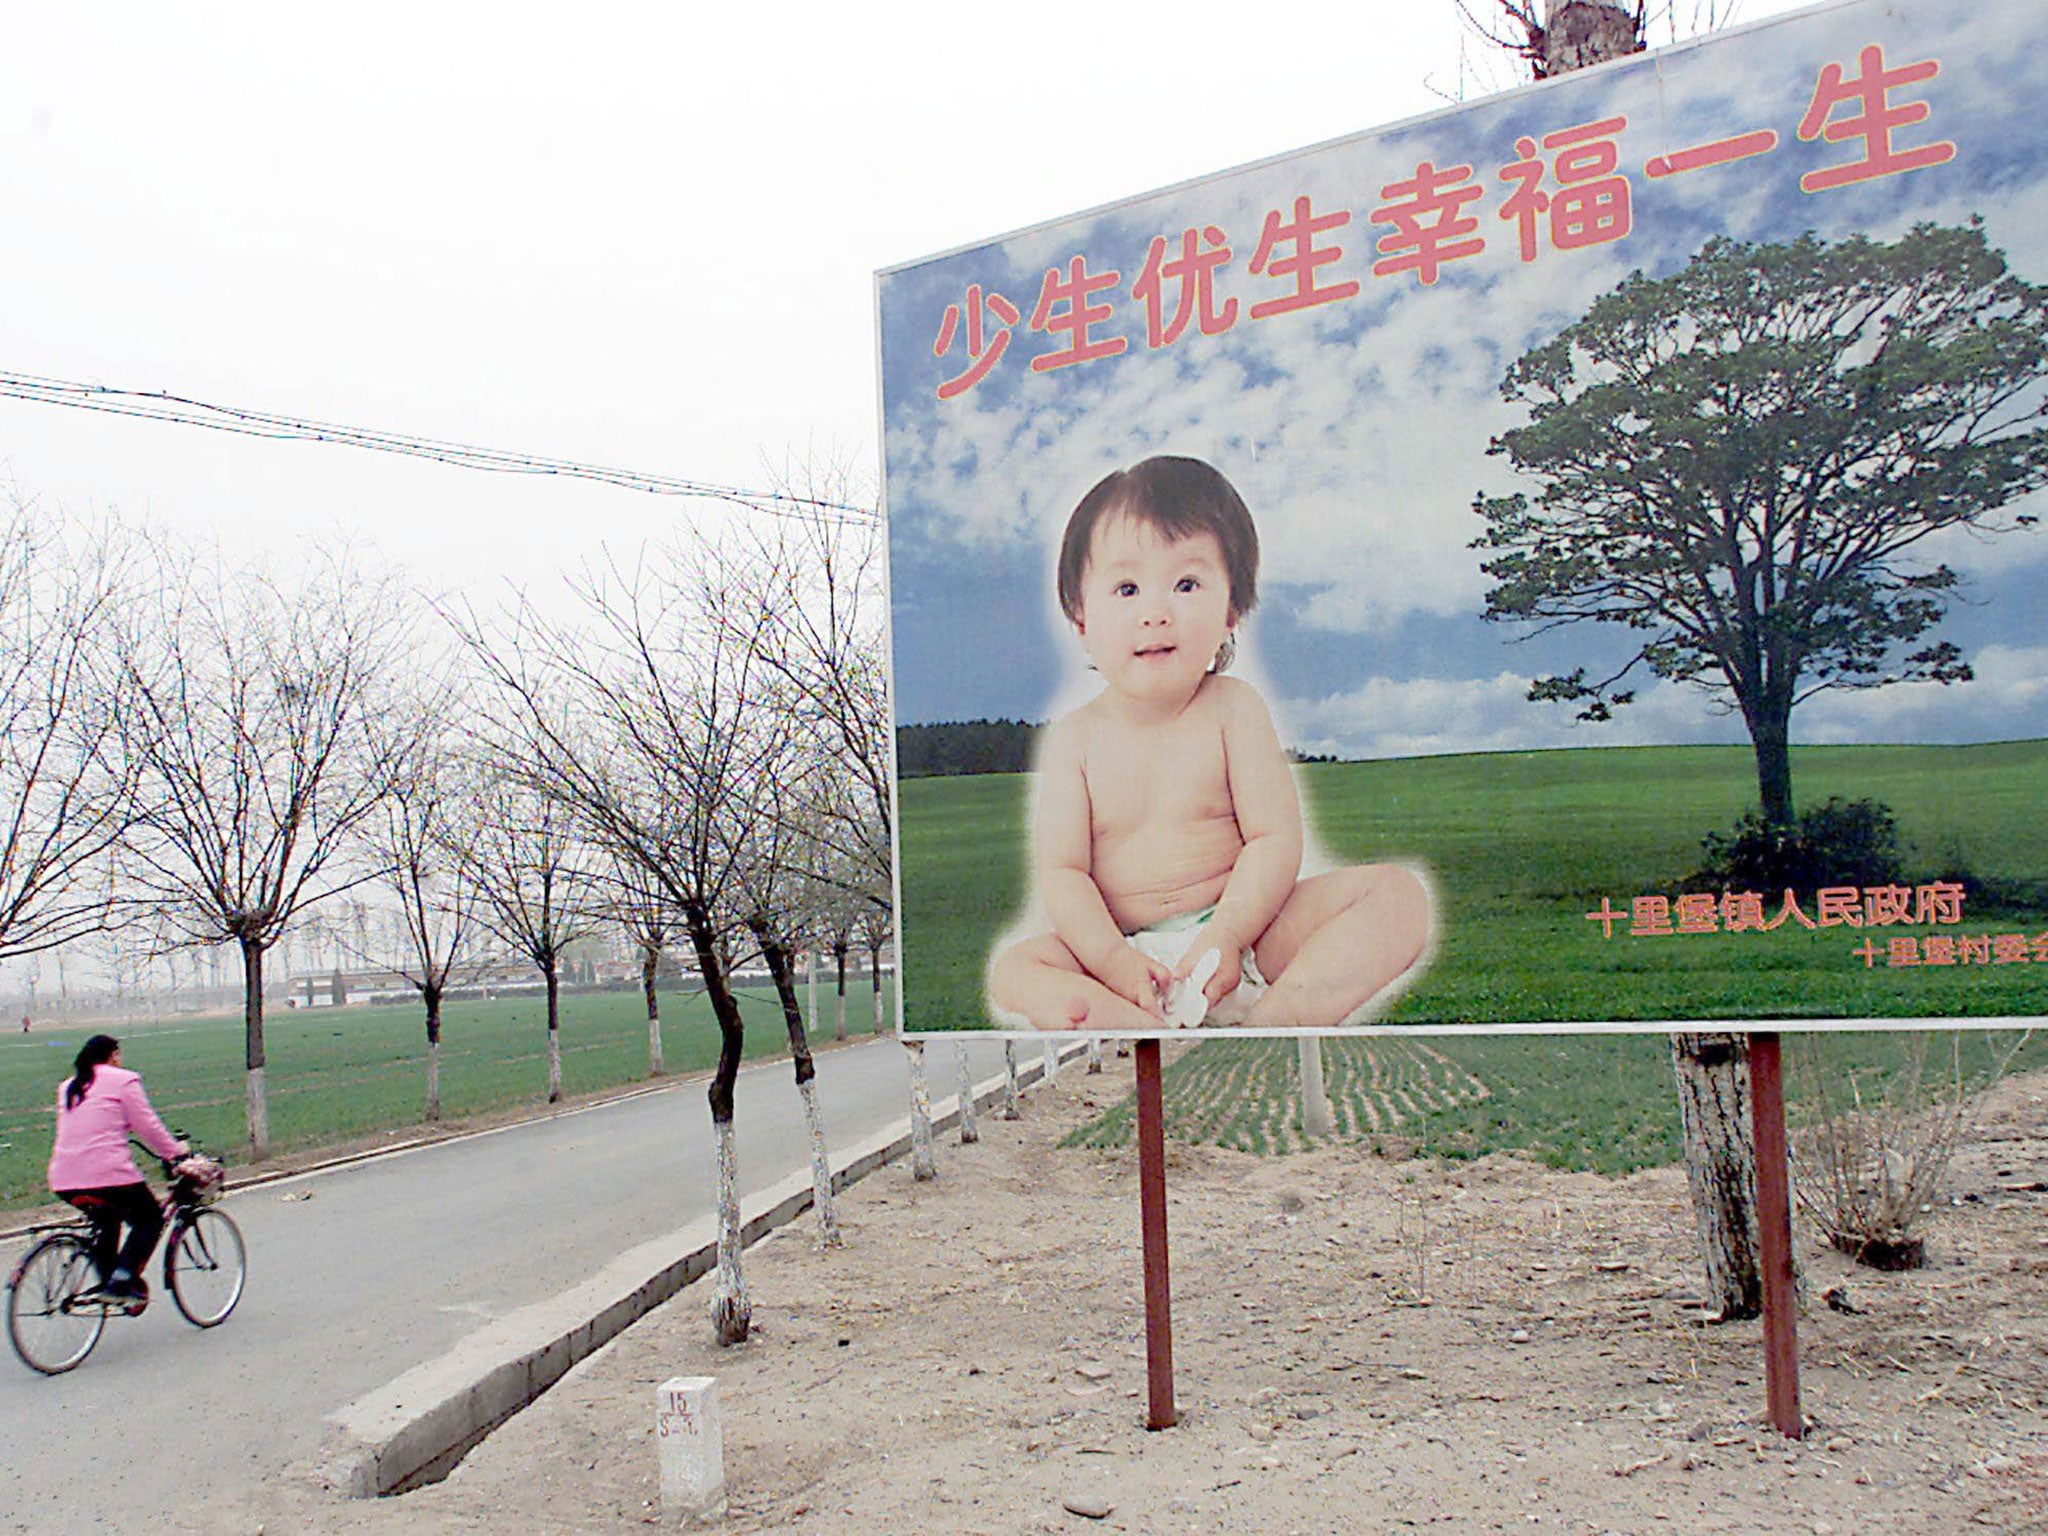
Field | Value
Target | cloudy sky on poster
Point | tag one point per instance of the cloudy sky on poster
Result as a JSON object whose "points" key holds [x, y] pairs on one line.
{"points": [[1357, 430]]}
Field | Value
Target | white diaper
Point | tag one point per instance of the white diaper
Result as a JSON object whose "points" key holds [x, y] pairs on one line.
{"points": [[1170, 941]]}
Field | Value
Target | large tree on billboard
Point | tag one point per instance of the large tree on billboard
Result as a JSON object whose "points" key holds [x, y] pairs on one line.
{"points": [[1745, 462]]}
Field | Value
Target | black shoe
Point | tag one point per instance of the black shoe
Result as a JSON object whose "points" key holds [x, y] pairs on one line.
{"points": [[122, 1286]]}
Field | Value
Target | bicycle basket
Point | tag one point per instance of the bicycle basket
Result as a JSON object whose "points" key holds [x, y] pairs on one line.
{"points": [[198, 1180]]}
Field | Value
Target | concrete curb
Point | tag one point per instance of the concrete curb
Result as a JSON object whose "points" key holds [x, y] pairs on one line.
{"points": [[415, 1428]]}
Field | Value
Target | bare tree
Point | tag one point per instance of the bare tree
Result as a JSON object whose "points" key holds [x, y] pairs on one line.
{"points": [[428, 824], [785, 888], [531, 875], [255, 715], [658, 759], [649, 921], [64, 784], [813, 591]]}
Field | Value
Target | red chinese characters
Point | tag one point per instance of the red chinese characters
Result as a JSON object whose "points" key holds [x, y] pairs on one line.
{"points": [[1301, 261], [984, 348], [1591, 204], [1700, 157], [1065, 307], [1430, 225], [1193, 274], [1565, 189], [1936, 904], [1953, 949], [1873, 119]]}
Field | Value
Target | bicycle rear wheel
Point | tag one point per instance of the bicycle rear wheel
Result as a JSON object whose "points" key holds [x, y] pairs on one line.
{"points": [[49, 1333], [205, 1265]]}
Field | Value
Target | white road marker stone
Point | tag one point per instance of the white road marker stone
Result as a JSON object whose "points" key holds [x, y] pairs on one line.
{"points": [[691, 1438]]}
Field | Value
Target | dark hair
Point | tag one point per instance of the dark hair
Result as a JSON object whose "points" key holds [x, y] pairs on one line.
{"points": [[96, 1052], [1178, 498]]}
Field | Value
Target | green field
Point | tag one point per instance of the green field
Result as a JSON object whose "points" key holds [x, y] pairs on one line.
{"points": [[1523, 845], [1602, 1102], [334, 1074]]}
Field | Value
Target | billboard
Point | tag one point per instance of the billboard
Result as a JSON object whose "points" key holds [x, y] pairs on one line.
{"points": [[1567, 561]]}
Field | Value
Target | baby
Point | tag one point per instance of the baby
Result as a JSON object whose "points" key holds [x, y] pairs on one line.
{"points": [[1168, 834]]}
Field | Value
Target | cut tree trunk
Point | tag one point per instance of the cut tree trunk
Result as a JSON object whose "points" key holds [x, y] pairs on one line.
{"points": [[1720, 1168], [1582, 32]]}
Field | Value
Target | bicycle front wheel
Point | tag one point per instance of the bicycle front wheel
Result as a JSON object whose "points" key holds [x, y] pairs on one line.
{"points": [[48, 1331], [205, 1266]]}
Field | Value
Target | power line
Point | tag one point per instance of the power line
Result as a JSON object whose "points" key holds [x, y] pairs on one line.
{"points": [[159, 405]]}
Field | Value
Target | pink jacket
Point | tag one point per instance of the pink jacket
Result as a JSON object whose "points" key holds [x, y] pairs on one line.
{"points": [[92, 1140]]}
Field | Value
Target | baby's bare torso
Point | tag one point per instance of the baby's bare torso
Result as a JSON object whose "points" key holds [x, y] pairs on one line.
{"points": [[1163, 828]]}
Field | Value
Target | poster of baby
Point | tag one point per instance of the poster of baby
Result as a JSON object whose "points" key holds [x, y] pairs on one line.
{"points": [[1572, 558]]}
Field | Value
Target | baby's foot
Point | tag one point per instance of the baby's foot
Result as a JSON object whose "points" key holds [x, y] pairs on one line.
{"points": [[1077, 1012]]}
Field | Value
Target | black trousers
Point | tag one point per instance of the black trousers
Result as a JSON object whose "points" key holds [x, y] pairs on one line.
{"points": [[130, 1205]]}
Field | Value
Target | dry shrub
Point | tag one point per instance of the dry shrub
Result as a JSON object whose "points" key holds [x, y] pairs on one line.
{"points": [[1874, 1159]]}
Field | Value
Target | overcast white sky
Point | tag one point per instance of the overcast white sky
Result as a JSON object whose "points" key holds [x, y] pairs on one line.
{"points": [[644, 237]]}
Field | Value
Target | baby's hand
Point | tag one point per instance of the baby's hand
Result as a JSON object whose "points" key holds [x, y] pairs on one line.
{"points": [[1136, 975], [1229, 966]]}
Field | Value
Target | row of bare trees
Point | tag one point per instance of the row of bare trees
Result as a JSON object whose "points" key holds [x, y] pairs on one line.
{"points": [[689, 745]]}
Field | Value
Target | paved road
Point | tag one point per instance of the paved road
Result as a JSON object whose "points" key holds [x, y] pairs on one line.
{"points": [[360, 1272]]}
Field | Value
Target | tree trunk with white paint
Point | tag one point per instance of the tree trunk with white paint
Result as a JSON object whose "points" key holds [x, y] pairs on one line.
{"points": [[650, 965], [839, 996], [1094, 1053], [969, 1132], [922, 1165], [783, 972], [1720, 1167], [875, 979], [256, 1103], [732, 1314], [1012, 1110], [554, 1034], [821, 1168]]}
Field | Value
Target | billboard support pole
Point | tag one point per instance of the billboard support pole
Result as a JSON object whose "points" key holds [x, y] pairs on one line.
{"points": [[1160, 1410], [1774, 1232]]}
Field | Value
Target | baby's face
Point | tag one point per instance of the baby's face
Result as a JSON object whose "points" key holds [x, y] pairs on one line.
{"points": [[1154, 610]]}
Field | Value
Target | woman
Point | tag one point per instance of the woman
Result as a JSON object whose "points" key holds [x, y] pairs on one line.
{"points": [[99, 1107]]}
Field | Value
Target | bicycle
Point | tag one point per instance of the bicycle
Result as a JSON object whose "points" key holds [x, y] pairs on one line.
{"points": [[56, 1307]]}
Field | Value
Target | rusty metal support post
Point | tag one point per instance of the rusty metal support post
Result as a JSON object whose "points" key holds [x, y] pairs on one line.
{"points": [[1160, 1412], [1774, 1233]]}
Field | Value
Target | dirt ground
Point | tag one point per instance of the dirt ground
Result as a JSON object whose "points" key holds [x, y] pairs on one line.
{"points": [[1363, 1344]]}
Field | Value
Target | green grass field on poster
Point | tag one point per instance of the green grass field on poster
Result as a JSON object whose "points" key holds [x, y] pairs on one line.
{"points": [[1523, 845]]}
